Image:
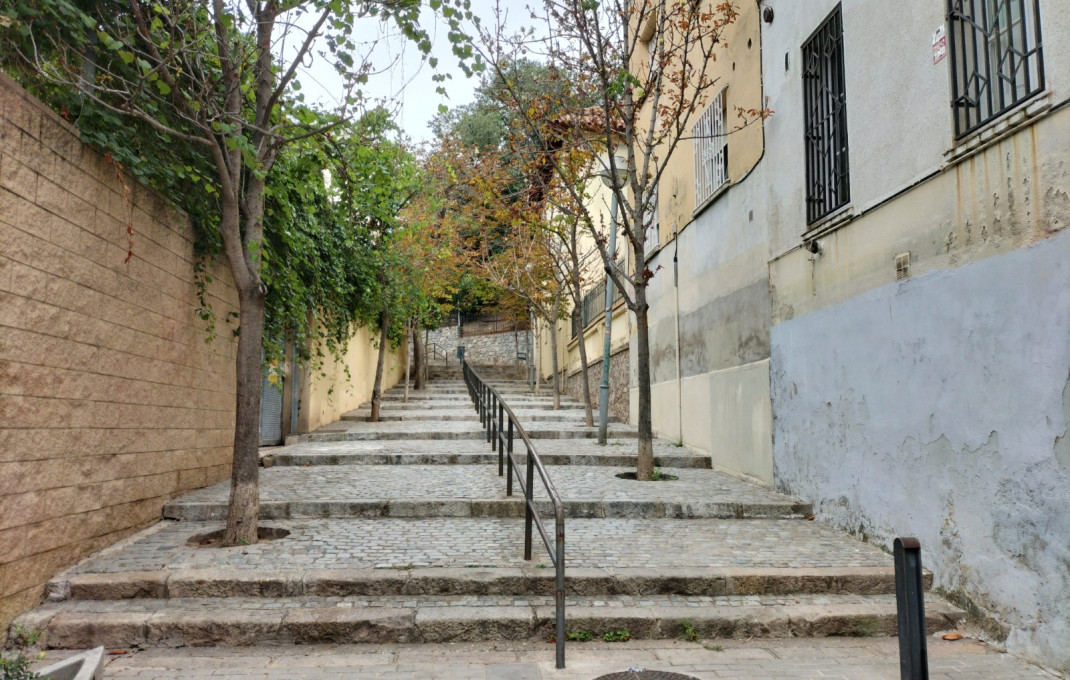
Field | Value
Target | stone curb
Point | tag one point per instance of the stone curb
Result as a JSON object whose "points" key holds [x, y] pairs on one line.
{"points": [[594, 460], [223, 582], [492, 507], [363, 416], [475, 434], [174, 623]]}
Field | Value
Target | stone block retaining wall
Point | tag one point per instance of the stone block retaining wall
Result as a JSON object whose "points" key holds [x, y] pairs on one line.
{"points": [[618, 384], [498, 349], [111, 402]]}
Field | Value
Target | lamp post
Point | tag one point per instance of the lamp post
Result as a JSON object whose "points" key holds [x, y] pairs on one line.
{"points": [[615, 181]]}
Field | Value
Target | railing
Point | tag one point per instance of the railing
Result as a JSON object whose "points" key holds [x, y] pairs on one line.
{"points": [[502, 427], [434, 352], [486, 324], [593, 306]]}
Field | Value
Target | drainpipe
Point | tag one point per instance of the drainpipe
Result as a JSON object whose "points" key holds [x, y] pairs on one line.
{"points": [[603, 396], [679, 382]]}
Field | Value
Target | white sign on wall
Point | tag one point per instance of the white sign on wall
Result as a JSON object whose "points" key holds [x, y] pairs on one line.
{"points": [[939, 45]]}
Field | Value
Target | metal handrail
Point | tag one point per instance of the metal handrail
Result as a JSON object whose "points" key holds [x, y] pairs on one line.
{"points": [[433, 349], [501, 431]]}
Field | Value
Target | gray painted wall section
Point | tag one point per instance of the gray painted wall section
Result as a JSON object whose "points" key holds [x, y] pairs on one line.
{"points": [[938, 408]]}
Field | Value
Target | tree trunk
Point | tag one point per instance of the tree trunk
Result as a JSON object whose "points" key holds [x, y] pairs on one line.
{"points": [[408, 359], [584, 378], [377, 389], [244, 507], [553, 349], [645, 468], [577, 311], [536, 355], [419, 360]]}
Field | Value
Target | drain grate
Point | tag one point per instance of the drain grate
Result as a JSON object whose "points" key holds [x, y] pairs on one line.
{"points": [[640, 674]]}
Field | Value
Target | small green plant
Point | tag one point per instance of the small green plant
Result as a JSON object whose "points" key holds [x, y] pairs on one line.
{"points": [[616, 636], [25, 637], [690, 634], [679, 443], [540, 566], [713, 648], [16, 668], [578, 636]]}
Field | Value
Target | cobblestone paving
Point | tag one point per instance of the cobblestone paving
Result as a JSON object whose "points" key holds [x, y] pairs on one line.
{"points": [[347, 482], [821, 659], [443, 542]]}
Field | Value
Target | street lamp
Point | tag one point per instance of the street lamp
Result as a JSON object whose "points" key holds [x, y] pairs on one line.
{"points": [[614, 175]]}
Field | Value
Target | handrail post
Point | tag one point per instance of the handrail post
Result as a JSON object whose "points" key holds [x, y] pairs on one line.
{"points": [[501, 462], [501, 417], [559, 589], [910, 606], [509, 476], [527, 505]]}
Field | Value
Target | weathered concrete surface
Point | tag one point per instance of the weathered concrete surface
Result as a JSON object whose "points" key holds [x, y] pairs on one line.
{"points": [[784, 659], [939, 408]]}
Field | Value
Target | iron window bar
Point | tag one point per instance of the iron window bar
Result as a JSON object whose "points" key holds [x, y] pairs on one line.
{"points": [[996, 58], [593, 306], [825, 119], [710, 144], [502, 427]]}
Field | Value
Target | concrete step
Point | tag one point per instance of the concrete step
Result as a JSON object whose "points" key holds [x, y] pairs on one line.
{"points": [[399, 546], [418, 508], [307, 620], [473, 580], [434, 404], [615, 453], [355, 431], [466, 415], [303, 455], [423, 491]]}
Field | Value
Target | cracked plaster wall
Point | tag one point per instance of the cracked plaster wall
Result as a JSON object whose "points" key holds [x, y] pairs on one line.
{"points": [[938, 408]]}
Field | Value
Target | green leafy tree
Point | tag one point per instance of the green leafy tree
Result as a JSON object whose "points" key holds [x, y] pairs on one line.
{"points": [[206, 74]]}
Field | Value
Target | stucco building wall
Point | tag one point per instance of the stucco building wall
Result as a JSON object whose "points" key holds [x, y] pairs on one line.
{"points": [[340, 384], [938, 407], [111, 402], [932, 406]]}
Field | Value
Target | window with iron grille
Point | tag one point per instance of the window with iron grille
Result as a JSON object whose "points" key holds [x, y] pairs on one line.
{"points": [[825, 120], [711, 150], [593, 306], [995, 58]]}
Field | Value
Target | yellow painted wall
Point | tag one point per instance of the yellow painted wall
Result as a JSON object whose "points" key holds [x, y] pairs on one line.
{"points": [[327, 392], [738, 68]]}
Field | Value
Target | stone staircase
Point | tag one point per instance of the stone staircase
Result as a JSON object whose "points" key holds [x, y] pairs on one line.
{"points": [[401, 531]]}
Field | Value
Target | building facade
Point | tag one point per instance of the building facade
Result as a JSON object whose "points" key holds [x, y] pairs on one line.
{"points": [[871, 309]]}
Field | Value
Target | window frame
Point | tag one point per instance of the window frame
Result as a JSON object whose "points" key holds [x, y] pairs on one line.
{"points": [[825, 129], [709, 141], [966, 35]]}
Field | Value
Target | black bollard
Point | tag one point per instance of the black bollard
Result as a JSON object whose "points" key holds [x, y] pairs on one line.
{"points": [[910, 603]]}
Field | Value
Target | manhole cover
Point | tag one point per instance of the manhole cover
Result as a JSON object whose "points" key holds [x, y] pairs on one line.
{"points": [[645, 675]]}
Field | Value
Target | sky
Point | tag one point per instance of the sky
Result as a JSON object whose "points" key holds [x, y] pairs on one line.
{"points": [[405, 80]]}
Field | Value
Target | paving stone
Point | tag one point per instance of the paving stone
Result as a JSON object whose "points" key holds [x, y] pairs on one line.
{"points": [[461, 542], [401, 532], [842, 658], [445, 491], [400, 618]]}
